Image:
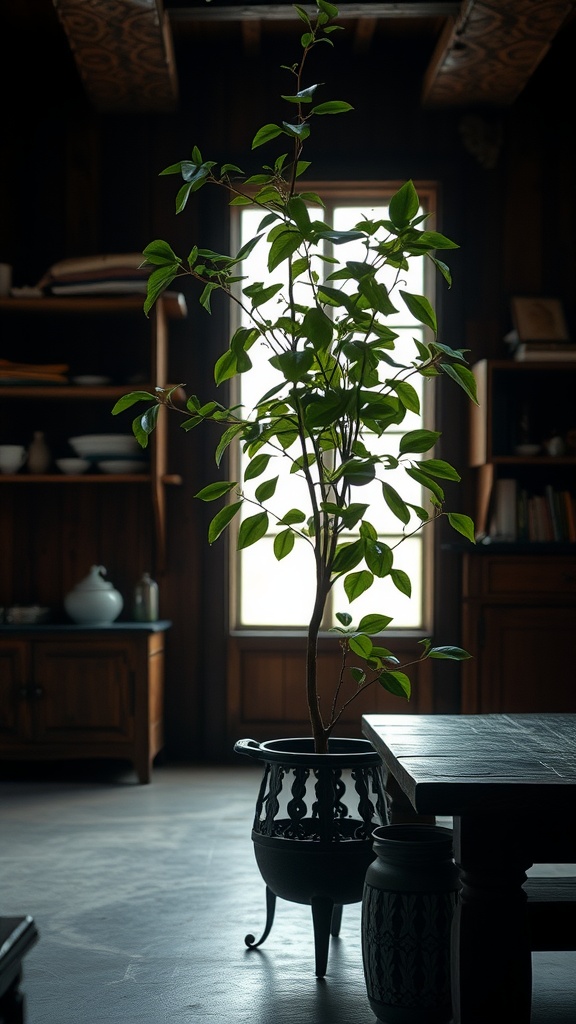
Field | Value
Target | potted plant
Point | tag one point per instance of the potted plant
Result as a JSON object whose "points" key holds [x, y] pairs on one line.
{"points": [[340, 387]]}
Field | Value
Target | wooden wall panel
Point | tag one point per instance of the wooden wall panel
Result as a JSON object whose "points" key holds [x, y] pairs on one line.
{"points": [[267, 694]]}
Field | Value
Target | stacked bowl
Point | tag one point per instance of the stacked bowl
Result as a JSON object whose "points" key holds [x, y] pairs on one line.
{"points": [[112, 453]]}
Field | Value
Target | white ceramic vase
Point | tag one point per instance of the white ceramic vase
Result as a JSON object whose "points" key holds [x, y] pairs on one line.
{"points": [[94, 601]]}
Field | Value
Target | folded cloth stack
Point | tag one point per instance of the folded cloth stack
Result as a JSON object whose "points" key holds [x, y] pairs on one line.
{"points": [[108, 274], [51, 373]]}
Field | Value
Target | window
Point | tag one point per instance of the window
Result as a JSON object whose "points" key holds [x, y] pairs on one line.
{"points": [[253, 567]]}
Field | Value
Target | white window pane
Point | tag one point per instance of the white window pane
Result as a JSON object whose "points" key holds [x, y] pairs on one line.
{"points": [[276, 593], [383, 598]]}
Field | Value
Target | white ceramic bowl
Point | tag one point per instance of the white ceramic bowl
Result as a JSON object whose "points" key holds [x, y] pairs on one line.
{"points": [[26, 615], [104, 444], [119, 466], [72, 466]]}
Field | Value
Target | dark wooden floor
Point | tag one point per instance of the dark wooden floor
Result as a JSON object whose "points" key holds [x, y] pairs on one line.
{"points": [[142, 896]]}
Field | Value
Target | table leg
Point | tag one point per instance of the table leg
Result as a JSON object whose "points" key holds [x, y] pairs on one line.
{"points": [[400, 810], [491, 958]]}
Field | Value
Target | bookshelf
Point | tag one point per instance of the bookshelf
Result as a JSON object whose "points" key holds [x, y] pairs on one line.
{"points": [[519, 581], [523, 451]]}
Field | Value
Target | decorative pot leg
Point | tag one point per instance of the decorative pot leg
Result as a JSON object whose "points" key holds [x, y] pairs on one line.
{"points": [[409, 898], [322, 913], [270, 909], [336, 920]]}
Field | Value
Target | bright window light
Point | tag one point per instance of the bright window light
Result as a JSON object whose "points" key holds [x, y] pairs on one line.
{"points": [[272, 595]]}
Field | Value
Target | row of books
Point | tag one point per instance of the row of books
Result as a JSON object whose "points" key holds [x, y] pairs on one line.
{"points": [[520, 516]]}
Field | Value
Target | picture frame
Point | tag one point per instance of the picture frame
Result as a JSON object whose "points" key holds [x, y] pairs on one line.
{"points": [[539, 319]]}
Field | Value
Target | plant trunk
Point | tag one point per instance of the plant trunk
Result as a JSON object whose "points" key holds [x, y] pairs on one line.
{"points": [[320, 734]]}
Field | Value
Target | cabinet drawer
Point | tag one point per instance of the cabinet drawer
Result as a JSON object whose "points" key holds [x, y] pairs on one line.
{"points": [[529, 576]]}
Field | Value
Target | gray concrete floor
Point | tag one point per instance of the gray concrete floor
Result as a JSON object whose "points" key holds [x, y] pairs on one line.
{"points": [[142, 896]]}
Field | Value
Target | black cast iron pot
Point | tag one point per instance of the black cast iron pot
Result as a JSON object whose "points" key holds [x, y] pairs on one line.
{"points": [[313, 824]]}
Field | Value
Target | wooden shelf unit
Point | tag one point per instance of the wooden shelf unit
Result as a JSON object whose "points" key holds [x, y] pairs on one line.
{"points": [[100, 692], [515, 397]]}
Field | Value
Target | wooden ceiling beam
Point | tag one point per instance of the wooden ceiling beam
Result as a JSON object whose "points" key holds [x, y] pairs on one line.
{"points": [[285, 11]]}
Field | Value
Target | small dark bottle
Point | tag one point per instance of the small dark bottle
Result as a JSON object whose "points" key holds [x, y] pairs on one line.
{"points": [[146, 599]]}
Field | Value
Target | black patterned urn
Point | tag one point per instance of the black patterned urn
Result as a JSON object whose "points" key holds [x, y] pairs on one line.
{"points": [[410, 893]]}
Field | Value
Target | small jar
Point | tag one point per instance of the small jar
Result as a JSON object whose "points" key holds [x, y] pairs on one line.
{"points": [[39, 454], [146, 599]]}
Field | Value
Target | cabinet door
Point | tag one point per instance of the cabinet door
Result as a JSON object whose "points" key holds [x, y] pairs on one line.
{"points": [[82, 693], [527, 660], [14, 703]]}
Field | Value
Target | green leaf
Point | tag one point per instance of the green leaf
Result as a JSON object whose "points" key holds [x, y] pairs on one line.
{"points": [[332, 107], [291, 517], [437, 467], [397, 683], [283, 544], [421, 309], [361, 645], [403, 206], [127, 400], [462, 524], [463, 377], [252, 530], [428, 482], [266, 134], [222, 520], [226, 439], [160, 253], [225, 367], [356, 583], [401, 581], [158, 281], [407, 395], [416, 441], [435, 240], [347, 557], [449, 653], [215, 490], [372, 623], [379, 557], [256, 466], [282, 247], [266, 489], [303, 96], [395, 503], [344, 617]]}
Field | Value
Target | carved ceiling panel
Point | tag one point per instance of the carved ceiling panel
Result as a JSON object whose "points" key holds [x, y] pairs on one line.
{"points": [[123, 52], [486, 50], [486, 55]]}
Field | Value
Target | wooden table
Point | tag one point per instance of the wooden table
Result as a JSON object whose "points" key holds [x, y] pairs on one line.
{"points": [[509, 782]]}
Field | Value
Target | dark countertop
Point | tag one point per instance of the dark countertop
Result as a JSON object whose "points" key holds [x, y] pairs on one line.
{"points": [[8, 629]]}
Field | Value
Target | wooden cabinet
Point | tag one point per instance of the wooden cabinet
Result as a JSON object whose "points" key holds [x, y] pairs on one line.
{"points": [[519, 623], [80, 692], [519, 586], [84, 693]]}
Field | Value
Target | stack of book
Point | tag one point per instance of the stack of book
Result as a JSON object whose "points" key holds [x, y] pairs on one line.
{"points": [[545, 351], [116, 274]]}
